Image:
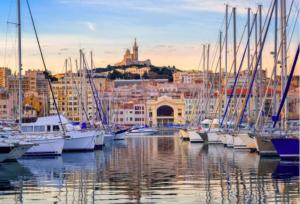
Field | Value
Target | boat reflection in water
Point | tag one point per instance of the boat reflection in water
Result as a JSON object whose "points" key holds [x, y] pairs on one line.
{"points": [[151, 170]]}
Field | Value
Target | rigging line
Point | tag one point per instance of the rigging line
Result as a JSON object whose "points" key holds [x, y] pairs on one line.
{"points": [[256, 45], [217, 44], [233, 91], [6, 34], [287, 85], [293, 30], [238, 48], [45, 67], [77, 89], [97, 100], [277, 56], [268, 21]]}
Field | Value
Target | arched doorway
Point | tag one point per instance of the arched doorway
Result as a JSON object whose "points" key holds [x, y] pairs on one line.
{"points": [[165, 115]]}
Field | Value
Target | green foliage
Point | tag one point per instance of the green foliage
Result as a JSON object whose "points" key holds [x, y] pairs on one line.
{"points": [[165, 72]]}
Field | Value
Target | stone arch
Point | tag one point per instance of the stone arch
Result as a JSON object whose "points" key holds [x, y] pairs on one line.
{"points": [[165, 111]]}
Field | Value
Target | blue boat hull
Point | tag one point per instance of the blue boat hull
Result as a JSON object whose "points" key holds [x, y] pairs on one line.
{"points": [[287, 148]]}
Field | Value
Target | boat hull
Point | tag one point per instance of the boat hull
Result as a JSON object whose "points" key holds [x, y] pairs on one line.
{"points": [[46, 147], [244, 141], [287, 148], [194, 137], [265, 146], [14, 153], [80, 141], [120, 135], [213, 138], [203, 135], [99, 142]]}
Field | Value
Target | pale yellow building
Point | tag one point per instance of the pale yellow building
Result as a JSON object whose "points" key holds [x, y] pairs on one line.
{"points": [[135, 70], [165, 110]]}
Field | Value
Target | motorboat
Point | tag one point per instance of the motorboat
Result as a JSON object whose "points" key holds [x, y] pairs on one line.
{"points": [[141, 131], [120, 134]]}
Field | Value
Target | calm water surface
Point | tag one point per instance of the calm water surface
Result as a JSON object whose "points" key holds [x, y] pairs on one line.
{"points": [[151, 170]]}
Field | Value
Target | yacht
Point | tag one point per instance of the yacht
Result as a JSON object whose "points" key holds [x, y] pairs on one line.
{"points": [[141, 131], [77, 138], [120, 133]]}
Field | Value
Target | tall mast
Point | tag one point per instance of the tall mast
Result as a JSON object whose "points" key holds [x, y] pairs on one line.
{"points": [[283, 59], [220, 73], [261, 86], [66, 88], [80, 85], [248, 60], [226, 59], [275, 60], [256, 58], [234, 51], [203, 81], [207, 76], [20, 62]]}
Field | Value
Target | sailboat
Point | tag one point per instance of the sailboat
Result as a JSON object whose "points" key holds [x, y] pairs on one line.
{"points": [[287, 148], [46, 143]]}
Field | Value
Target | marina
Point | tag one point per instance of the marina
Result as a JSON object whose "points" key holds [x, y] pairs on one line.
{"points": [[134, 132], [151, 169]]}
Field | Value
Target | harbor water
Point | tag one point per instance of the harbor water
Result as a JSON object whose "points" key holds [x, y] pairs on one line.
{"points": [[152, 169]]}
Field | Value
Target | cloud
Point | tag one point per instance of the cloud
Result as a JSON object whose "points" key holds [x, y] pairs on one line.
{"points": [[91, 26], [171, 6]]}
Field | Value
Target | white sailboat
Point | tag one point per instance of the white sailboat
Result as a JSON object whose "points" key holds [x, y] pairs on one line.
{"points": [[46, 144]]}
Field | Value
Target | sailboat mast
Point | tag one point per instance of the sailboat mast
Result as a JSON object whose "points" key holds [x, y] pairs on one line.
{"points": [[275, 59], [226, 56], [220, 73], [20, 61], [234, 51], [203, 82], [248, 59], [256, 82], [283, 60], [260, 62], [207, 76]]}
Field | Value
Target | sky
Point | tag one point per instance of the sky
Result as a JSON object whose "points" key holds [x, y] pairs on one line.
{"points": [[169, 32]]}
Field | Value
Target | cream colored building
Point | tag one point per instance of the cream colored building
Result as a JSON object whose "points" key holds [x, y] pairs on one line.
{"points": [[73, 98], [135, 70], [165, 110]]}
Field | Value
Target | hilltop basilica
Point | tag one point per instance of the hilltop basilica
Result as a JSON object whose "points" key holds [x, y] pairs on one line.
{"points": [[133, 58]]}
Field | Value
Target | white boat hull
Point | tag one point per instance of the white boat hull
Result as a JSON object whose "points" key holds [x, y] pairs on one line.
{"points": [[243, 141], [100, 142], [228, 140], [213, 138], [46, 147], [80, 141], [194, 136], [120, 136]]}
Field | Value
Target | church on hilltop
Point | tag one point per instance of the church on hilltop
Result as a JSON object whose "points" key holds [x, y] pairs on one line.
{"points": [[133, 58]]}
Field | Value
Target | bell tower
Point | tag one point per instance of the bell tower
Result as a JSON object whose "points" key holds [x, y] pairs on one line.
{"points": [[135, 50]]}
